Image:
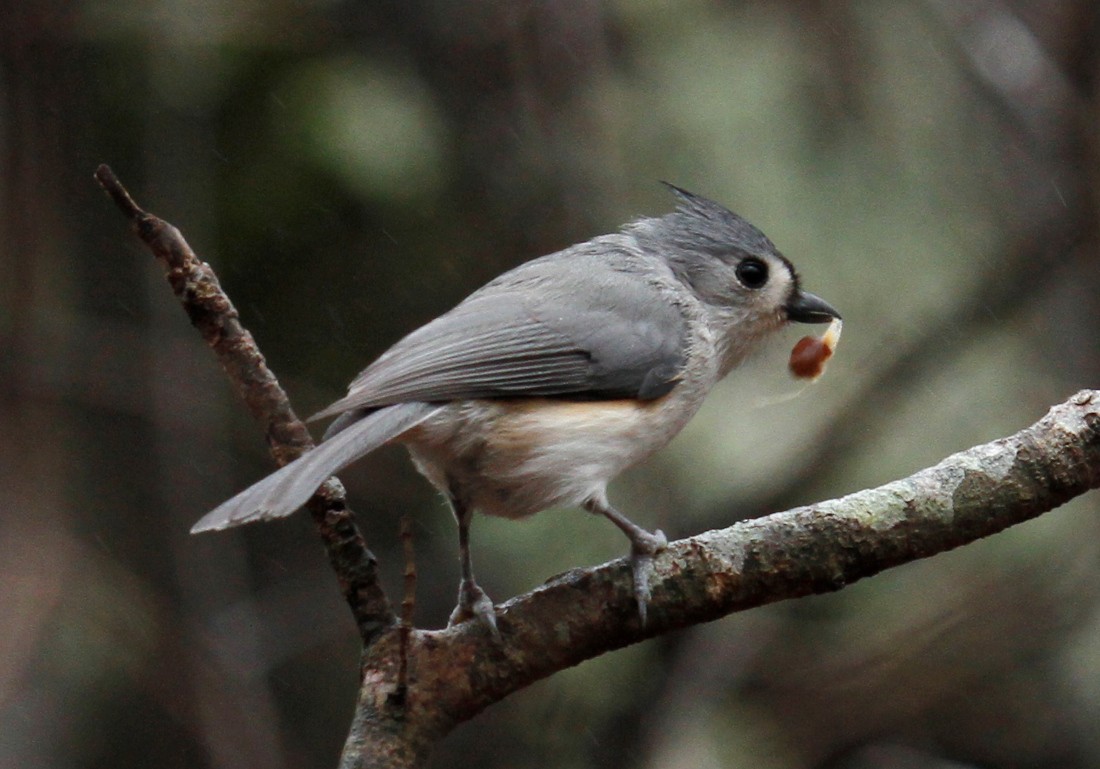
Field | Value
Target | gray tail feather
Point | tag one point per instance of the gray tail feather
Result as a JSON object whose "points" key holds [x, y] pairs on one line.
{"points": [[344, 421], [289, 487]]}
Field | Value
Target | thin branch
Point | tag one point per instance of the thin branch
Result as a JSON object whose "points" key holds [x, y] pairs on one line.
{"points": [[455, 673], [408, 607], [211, 312]]}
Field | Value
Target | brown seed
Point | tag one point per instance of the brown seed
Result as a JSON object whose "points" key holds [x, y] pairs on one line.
{"points": [[810, 352], [808, 357]]}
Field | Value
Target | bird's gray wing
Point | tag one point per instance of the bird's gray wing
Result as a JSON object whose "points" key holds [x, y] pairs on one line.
{"points": [[577, 330], [288, 488]]}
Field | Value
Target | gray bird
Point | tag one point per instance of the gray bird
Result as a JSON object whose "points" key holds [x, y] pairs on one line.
{"points": [[546, 383]]}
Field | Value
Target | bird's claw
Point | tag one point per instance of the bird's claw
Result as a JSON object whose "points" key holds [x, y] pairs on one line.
{"points": [[474, 603], [644, 547]]}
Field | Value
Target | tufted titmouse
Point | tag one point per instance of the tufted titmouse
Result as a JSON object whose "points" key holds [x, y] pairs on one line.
{"points": [[553, 378]]}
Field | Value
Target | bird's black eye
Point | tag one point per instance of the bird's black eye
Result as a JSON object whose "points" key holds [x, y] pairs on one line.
{"points": [[752, 272]]}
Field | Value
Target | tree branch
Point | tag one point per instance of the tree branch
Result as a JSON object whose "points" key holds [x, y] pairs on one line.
{"points": [[408, 701], [211, 312], [455, 673]]}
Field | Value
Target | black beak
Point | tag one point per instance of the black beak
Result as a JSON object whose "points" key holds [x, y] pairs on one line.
{"points": [[804, 307]]}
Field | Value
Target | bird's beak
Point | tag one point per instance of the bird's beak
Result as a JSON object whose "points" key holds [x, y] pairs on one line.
{"points": [[804, 307]]}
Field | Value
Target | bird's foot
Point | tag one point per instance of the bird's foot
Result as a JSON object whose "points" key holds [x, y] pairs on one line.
{"points": [[474, 603], [644, 546]]}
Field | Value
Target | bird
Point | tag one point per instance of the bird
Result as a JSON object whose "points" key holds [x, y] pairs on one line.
{"points": [[546, 383]]}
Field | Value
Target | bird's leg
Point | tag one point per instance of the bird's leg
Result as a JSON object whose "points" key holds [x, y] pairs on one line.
{"points": [[643, 546], [472, 600]]}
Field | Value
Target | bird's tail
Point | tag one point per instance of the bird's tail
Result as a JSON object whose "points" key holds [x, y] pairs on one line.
{"points": [[288, 488]]}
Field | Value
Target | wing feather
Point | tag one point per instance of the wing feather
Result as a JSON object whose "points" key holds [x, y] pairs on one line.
{"points": [[550, 328]]}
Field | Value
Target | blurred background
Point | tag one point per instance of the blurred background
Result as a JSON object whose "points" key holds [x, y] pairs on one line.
{"points": [[351, 170]]}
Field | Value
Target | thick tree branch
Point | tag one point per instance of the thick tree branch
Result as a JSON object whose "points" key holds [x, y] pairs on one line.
{"points": [[211, 312], [455, 673]]}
